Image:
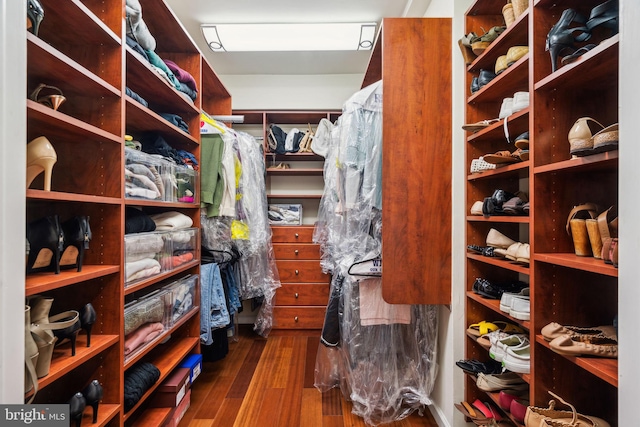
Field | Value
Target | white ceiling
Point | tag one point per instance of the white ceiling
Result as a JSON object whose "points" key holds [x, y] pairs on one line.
{"points": [[192, 13]]}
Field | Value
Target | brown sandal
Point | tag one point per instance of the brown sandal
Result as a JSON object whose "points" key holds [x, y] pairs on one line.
{"points": [[503, 157], [577, 227]]}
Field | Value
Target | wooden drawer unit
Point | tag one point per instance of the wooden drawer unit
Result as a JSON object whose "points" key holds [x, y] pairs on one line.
{"points": [[307, 317], [307, 271], [296, 251], [301, 234], [302, 294]]}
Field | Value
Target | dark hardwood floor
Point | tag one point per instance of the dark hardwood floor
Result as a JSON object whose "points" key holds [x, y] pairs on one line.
{"points": [[269, 382]]}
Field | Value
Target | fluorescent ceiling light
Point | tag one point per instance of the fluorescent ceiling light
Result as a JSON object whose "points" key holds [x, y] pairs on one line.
{"points": [[289, 37]]}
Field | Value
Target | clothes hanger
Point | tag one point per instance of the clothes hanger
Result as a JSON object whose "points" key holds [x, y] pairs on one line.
{"points": [[371, 267]]}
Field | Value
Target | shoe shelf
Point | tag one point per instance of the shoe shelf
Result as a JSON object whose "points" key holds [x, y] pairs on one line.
{"points": [[173, 352], [485, 7], [43, 282], [592, 163], [295, 157], [514, 35], [594, 67], [494, 305], [505, 84], [63, 126], [105, 414], [58, 196], [495, 398], [142, 119], [499, 262], [145, 283], [514, 170], [152, 417], [518, 219], [571, 260], [603, 368], [295, 171], [517, 123], [63, 363]]}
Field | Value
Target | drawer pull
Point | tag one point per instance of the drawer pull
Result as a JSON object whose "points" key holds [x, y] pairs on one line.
{"points": [[297, 272], [296, 319], [296, 235], [296, 252], [296, 295]]}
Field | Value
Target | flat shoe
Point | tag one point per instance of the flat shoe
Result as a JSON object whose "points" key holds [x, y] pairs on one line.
{"points": [[498, 240], [594, 346], [505, 381], [554, 330], [522, 141], [474, 127], [502, 157], [606, 139], [473, 366], [536, 416]]}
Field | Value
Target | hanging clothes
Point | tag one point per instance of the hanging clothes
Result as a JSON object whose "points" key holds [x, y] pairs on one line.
{"points": [[382, 356]]}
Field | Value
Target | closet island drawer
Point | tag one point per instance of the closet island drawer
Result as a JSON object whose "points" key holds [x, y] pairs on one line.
{"points": [[301, 272], [298, 317], [303, 234], [296, 251], [303, 294]]}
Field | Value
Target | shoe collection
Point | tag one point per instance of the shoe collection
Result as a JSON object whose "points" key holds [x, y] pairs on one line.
{"points": [[43, 332], [54, 245], [583, 142], [572, 28], [500, 246], [502, 203], [90, 396], [594, 234], [597, 341]]}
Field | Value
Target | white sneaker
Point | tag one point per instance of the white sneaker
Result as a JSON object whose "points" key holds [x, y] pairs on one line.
{"points": [[520, 101], [498, 350], [518, 359], [506, 109], [520, 307], [507, 297]]}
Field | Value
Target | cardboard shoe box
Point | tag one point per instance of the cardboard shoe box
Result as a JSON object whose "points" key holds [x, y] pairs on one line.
{"points": [[173, 389]]}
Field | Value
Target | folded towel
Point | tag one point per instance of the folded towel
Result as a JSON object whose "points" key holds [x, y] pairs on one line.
{"points": [[171, 220]]}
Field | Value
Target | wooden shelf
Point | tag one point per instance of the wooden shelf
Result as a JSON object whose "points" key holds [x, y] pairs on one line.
{"points": [[294, 172], [175, 351], [92, 31], [499, 262], [485, 7], [141, 353], [56, 196], [497, 218], [603, 368], [518, 170], [595, 162], [591, 264], [136, 286], [510, 81], [295, 157], [294, 196], [62, 362], [159, 203], [142, 119], [43, 282], [594, 67], [494, 304], [517, 124], [106, 412], [296, 117]]}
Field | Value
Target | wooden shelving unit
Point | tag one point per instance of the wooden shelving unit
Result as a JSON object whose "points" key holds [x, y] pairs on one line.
{"points": [[81, 49], [565, 288]]}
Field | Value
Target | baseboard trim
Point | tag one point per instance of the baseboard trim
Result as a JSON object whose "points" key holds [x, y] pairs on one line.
{"points": [[439, 416]]}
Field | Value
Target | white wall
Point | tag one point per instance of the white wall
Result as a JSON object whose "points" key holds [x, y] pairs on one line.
{"points": [[291, 92], [13, 125]]}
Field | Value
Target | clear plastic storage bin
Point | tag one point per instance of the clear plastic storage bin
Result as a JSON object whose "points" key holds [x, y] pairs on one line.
{"points": [[182, 248], [145, 255], [183, 297]]}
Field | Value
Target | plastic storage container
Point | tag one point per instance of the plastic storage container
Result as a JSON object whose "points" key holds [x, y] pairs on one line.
{"points": [[145, 255], [183, 297], [144, 320], [182, 245]]}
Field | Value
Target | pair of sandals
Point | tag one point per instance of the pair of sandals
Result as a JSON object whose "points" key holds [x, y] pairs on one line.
{"points": [[491, 290], [504, 203], [481, 413]]}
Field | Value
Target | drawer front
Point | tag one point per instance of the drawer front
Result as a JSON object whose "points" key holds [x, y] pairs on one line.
{"points": [[302, 294], [298, 317], [296, 251], [301, 272], [303, 234]]}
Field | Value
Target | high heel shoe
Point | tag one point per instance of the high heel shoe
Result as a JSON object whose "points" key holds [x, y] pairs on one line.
{"points": [[41, 157], [561, 37], [606, 15], [31, 356], [76, 408], [52, 100], [35, 15], [93, 394], [87, 319], [70, 318], [77, 235], [46, 243], [44, 330]]}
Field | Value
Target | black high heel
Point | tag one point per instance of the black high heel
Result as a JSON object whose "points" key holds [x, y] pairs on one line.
{"points": [[76, 407], [605, 14], [70, 332], [561, 37], [46, 241], [77, 235], [87, 319], [35, 15], [93, 394]]}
